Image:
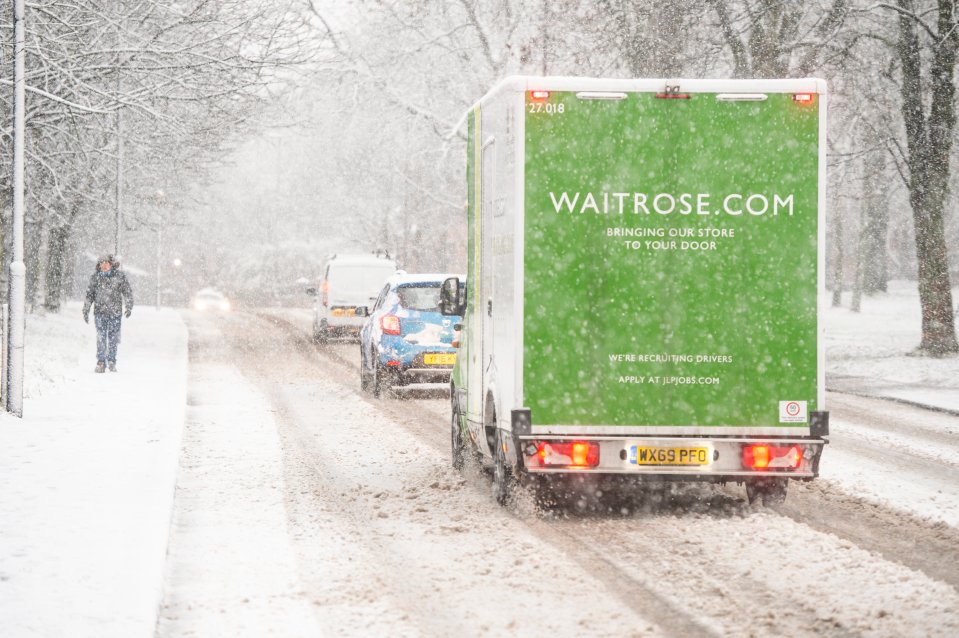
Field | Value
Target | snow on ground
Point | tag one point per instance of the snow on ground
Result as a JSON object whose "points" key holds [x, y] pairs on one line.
{"points": [[732, 560], [88, 478], [392, 541], [229, 546], [872, 351], [59, 349]]}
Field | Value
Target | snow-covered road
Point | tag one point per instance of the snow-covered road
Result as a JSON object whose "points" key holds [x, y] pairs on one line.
{"points": [[368, 531]]}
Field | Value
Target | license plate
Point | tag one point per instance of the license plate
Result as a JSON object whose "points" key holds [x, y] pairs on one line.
{"points": [[343, 312], [669, 455], [439, 359]]}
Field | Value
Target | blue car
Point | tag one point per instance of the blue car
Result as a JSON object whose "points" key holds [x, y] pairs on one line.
{"points": [[406, 340]]}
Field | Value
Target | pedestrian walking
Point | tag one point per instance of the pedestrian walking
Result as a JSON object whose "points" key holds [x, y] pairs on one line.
{"points": [[109, 293]]}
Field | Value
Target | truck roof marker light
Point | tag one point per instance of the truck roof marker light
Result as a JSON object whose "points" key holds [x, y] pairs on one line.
{"points": [[767, 457], [601, 95], [804, 98], [671, 92], [741, 97], [538, 96]]}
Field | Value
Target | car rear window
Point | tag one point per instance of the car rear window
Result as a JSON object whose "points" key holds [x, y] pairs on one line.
{"points": [[420, 297], [367, 278]]}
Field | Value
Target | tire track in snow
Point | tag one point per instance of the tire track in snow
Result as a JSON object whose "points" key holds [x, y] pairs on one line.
{"points": [[591, 550], [637, 594], [929, 547], [483, 536], [919, 545]]}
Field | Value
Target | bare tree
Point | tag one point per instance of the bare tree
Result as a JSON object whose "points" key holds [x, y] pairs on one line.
{"points": [[929, 116], [186, 76]]}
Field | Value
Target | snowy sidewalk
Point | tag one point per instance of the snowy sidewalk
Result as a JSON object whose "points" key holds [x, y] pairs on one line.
{"points": [[941, 399], [872, 352], [88, 478]]}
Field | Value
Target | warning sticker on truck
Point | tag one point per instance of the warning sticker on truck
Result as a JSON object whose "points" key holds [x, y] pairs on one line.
{"points": [[792, 411]]}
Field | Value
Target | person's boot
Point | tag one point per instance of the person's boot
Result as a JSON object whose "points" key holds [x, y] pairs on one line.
{"points": [[112, 366], [101, 367]]}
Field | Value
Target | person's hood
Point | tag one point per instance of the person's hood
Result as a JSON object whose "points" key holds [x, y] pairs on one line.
{"points": [[114, 263]]}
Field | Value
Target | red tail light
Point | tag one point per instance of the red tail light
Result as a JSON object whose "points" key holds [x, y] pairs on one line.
{"points": [[325, 289], [567, 454], [538, 96], [390, 324], [804, 98], [764, 457]]}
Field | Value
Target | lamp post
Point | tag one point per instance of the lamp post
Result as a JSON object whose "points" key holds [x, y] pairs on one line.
{"points": [[160, 198], [13, 383]]}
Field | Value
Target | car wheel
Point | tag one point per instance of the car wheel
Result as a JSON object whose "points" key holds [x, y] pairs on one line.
{"points": [[457, 446], [364, 376], [503, 480], [322, 334], [381, 381]]}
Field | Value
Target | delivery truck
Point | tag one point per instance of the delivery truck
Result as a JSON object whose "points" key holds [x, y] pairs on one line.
{"points": [[645, 268]]}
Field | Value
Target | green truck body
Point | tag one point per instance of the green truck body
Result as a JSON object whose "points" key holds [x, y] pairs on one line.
{"points": [[645, 267]]}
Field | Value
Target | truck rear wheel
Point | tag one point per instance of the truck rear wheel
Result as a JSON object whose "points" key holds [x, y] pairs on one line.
{"points": [[771, 491], [503, 479], [457, 446]]}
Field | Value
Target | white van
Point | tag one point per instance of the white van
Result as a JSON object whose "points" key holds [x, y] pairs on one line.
{"points": [[349, 282]]}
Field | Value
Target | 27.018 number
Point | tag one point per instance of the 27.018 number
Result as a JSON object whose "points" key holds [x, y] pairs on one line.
{"points": [[546, 107]]}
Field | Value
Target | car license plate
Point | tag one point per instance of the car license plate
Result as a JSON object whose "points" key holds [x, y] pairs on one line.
{"points": [[343, 312], [639, 455], [439, 359]]}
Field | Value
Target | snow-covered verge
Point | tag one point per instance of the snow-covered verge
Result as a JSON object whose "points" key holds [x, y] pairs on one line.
{"points": [[230, 546], [88, 477], [899, 458], [873, 351], [59, 349]]}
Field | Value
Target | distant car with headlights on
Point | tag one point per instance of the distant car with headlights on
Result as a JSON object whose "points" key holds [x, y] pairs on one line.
{"points": [[211, 300], [406, 340]]}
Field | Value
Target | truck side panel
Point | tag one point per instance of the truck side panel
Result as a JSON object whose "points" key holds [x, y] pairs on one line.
{"points": [[492, 203]]}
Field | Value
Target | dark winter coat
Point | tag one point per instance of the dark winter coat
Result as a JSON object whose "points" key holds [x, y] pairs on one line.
{"points": [[108, 294]]}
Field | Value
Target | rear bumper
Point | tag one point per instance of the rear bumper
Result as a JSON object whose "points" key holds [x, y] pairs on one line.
{"points": [[715, 458], [412, 367], [675, 456], [425, 375], [346, 324]]}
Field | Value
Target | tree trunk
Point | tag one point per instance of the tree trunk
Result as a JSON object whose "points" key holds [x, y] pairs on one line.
{"points": [[929, 143], [837, 269], [56, 261], [935, 290], [875, 230], [855, 303]]}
